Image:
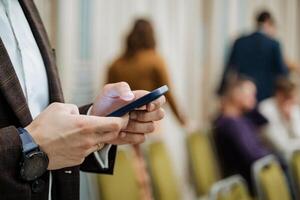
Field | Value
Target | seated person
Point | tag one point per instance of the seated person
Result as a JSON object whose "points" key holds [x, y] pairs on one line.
{"points": [[283, 114], [236, 136]]}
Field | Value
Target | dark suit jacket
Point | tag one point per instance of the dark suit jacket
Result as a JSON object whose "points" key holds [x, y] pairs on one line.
{"points": [[258, 57], [14, 113]]}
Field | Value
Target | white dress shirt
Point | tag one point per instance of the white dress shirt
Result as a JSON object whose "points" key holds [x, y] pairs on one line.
{"points": [[28, 64], [284, 136]]}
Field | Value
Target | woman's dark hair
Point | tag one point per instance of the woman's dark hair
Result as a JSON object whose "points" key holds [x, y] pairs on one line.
{"points": [[140, 38]]}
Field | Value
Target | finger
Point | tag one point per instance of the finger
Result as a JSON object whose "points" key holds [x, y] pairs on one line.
{"points": [[100, 129], [119, 90], [106, 137], [143, 116], [142, 108], [156, 104], [125, 119], [117, 141], [140, 127], [131, 138], [101, 124], [140, 93], [64, 107], [151, 106], [73, 109], [103, 135]]}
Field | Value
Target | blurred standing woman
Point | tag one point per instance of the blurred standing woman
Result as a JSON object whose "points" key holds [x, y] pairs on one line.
{"points": [[144, 69]]}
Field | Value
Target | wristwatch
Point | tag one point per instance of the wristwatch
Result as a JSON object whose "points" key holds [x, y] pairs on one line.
{"points": [[34, 162]]}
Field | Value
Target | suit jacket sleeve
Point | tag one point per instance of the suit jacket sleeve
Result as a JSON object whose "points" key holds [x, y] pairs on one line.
{"points": [[279, 66], [10, 155], [91, 164]]}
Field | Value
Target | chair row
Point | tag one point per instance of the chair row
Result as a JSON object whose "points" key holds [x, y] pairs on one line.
{"points": [[124, 183], [270, 182]]}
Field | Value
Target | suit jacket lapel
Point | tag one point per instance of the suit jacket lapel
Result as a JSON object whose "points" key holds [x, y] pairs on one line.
{"points": [[9, 83], [40, 35], [11, 88]]}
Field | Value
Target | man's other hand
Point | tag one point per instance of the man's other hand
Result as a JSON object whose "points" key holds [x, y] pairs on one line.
{"points": [[140, 122]]}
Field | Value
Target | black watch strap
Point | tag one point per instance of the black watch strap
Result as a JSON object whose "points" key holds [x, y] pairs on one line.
{"points": [[28, 143]]}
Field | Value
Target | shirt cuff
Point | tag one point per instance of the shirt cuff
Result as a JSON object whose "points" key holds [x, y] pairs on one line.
{"points": [[102, 155]]}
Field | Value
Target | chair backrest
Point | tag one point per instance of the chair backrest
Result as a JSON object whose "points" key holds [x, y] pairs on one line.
{"points": [[203, 163], [294, 166], [232, 188], [270, 181], [165, 185], [239, 192], [123, 184]]}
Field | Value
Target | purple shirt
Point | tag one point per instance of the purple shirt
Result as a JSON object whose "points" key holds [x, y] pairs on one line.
{"points": [[238, 145]]}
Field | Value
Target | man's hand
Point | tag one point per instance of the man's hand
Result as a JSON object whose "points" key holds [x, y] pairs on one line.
{"points": [[68, 137], [140, 122]]}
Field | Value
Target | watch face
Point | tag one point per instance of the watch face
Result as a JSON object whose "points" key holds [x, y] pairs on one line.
{"points": [[34, 165]]}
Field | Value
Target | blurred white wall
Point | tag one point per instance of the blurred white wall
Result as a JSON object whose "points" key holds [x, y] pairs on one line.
{"points": [[193, 36], [48, 12]]}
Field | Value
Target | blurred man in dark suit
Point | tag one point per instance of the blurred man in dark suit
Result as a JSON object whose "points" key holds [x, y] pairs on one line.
{"points": [[258, 56]]}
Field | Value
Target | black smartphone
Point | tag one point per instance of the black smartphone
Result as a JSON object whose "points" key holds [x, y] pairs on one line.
{"points": [[148, 98]]}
